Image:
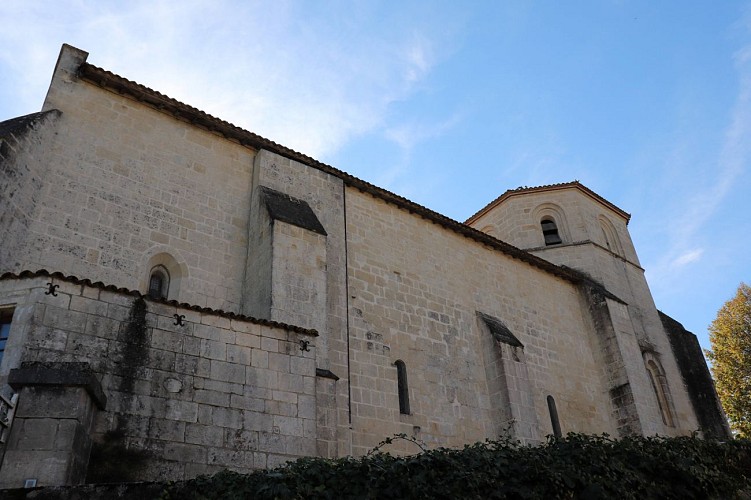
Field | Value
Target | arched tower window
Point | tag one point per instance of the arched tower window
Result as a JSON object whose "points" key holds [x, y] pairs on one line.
{"points": [[552, 220], [660, 388], [550, 231], [159, 282], [402, 387], [610, 235], [162, 276]]}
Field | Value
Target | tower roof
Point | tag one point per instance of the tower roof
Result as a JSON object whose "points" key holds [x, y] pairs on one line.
{"points": [[548, 188]]}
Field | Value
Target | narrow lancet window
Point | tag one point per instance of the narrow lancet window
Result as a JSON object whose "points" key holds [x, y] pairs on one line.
{"points": [[659, 386], [554, 417], [159, 283], [550, 232], [403, 388]]}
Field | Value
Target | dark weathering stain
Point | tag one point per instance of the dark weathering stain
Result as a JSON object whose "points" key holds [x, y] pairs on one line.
{"points": [[134, 340], [696, 377]]}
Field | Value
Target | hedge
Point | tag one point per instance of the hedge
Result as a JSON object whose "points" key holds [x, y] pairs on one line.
{"points": [[576, 466]]}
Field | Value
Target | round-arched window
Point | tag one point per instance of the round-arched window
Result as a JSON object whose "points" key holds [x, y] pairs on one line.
{"points": [[159, 283]]}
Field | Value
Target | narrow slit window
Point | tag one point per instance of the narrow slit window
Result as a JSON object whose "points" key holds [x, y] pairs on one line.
{"points": [[550, 232], [554, 421], [402, 387], [159, 283]]}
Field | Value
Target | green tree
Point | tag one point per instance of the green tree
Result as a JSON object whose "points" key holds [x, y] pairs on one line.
{"points": [[730, 337]]}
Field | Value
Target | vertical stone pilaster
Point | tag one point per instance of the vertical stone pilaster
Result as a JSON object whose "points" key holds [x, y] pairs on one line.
{"points": [[521, 393], [50, 438], [326, 413], [615, 365], [510, 390]]}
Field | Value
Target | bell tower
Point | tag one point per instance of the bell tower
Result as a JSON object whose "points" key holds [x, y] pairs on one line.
{"points": [[570, 225]]}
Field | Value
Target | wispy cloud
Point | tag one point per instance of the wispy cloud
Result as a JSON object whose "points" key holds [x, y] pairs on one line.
{"points": [[269, 66], [687, 258], [732, 161], [418, 57], [407, 136]]}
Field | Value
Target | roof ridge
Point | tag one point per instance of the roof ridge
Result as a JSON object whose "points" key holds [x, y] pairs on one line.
{"points": [[560, 185]]}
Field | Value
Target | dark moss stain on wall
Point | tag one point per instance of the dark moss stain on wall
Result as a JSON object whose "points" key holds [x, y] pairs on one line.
{"points": [[134, 347], [112, 462]]}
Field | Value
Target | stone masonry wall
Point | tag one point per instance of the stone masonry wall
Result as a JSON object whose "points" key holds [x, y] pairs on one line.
{"points": [[418, 302], [125, 182], [217, 392], [325, 194], [299, 276], [22, 172]]}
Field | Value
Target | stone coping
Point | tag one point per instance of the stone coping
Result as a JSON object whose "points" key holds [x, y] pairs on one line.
{"points": [[323, 373], [291, 210], [58, 374]]}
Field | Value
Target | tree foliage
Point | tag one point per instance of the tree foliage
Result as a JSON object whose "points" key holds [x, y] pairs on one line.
{"points": [[730, 337], [576, 466]]}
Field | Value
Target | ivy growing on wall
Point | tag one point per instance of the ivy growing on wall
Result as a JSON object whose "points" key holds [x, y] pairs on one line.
{"points": [[575, 466]]}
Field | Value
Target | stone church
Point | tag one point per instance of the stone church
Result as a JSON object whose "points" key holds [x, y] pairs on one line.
{"points": [[179, 295]]}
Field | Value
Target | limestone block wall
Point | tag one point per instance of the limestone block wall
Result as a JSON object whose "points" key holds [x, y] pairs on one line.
{"points": [[418, 303], [257, 284], [324, 194], [50, 439], [299, 276], [182, 400], [23, 166], [125, 182]]}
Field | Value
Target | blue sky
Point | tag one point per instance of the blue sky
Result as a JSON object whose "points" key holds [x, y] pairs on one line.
{"points": [[451, 103]]}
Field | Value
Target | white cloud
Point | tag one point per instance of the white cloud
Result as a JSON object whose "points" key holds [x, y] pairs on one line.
{"points": [[407, 136], [687, 258], [309, 80], [418, 57]]}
